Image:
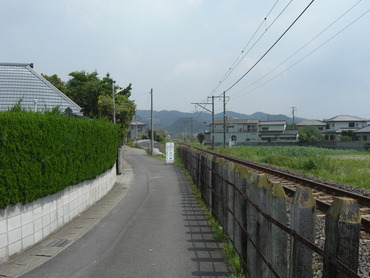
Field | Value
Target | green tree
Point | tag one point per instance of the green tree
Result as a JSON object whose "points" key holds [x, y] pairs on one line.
{"points": [[310, 134], [124, 107], [159, 135], [55, 81], [200, 137], [348, 135], [84, 89], [94, 95]]}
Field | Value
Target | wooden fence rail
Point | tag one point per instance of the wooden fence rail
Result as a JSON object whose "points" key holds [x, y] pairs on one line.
{"points": [[270, 242]]}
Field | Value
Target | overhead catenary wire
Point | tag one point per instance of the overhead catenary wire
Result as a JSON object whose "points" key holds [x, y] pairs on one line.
{"points": [[243, 54], [273, 45], [301, 48], [255, 43], [309, 54]]}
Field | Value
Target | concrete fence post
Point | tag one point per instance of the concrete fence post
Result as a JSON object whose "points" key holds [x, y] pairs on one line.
{"points": [[263, 227], [230, 195], [198, 170], [216, 196], [223, 193], [202, 174], [276, 208], [342, 235], [194, 164], [241, 174], [209, 180], [259, 228], [252, 224], [303, 223]]}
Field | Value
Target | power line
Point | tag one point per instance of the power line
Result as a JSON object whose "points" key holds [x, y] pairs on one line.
{"points": [[309, 54], [242, 55], [300, 49], [271, 46]]}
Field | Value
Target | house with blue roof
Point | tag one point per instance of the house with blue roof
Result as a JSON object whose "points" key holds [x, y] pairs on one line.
{"points": [[20, 83]]}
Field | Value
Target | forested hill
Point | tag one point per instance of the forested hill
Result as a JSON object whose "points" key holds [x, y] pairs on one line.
{"points": [[182, 122]]}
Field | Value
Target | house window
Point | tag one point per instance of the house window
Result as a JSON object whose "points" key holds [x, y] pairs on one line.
{"points": [[364, 137], [229, 127], [327, 126], [233, 138], [265, 128], [351, 124]]}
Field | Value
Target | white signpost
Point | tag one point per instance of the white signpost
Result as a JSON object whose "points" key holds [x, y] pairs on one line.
{"points": [[170, 152]]}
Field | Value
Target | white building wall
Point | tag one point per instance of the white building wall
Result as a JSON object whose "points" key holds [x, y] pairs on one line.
{"points": [[333, 126], [272, 128], [22, 226]]}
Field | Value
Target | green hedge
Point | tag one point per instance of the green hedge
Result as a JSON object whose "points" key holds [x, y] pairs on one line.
{"points": [[41, 154]]}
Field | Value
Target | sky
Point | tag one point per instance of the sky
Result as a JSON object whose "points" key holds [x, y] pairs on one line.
{"points": [[271, 56]]}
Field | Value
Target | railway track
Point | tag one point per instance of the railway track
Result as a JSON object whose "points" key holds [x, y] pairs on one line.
{"points": [[324, 193]]}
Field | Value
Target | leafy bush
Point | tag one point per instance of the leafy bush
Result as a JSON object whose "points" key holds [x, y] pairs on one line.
{"points": [[41, 154], [310, 134]]}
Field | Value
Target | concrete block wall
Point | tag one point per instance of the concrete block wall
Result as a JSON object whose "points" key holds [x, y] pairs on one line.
{"points": [[22, 226]]}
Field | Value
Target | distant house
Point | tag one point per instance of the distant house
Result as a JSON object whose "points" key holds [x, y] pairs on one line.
{"points": [[19, 83], [318, 124], [243, 131], [137, 129], [336, 125], [237, 131], [363, 134], [275, 131]]}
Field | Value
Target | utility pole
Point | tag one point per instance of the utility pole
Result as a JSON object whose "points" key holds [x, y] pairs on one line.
{"points": [[151, 122], [191, 129], [293, 110], [213, 117], [114, 104], [135, 128], [224, 99], [213, 123]]}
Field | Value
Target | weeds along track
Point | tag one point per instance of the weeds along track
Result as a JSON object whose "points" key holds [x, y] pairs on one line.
{"points": [[324, 190]]}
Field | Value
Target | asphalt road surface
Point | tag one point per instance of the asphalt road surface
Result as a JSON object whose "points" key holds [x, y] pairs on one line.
{"points": [[156, 230]]}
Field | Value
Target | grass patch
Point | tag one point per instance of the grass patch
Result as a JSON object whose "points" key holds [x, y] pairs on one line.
{"points": [[228, 250], [351, 167]]}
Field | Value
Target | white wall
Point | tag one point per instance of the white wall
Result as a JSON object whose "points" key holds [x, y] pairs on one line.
{"points": [[22, 226]]}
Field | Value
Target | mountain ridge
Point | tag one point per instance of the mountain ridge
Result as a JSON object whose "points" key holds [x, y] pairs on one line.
{"points": [[174, 121]]}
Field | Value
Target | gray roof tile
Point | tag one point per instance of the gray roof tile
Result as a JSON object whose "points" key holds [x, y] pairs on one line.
{"points": [[19, 82], [346, 118]]}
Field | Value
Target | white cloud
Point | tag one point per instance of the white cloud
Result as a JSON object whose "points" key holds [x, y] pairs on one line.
{"points": [[192, 68]]}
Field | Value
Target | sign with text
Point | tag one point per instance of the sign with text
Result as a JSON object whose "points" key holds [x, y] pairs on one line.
{"points": [[170, 152]]}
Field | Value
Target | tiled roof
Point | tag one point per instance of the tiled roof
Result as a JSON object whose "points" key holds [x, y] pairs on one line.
{"points": [[363, 130], [272, 123], [311, 123], [346, 118], [20, 83]]}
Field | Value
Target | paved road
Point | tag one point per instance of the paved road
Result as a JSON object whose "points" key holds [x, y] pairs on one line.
{"points": [[156, 230]]}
